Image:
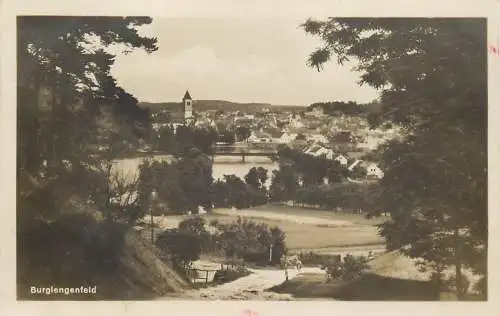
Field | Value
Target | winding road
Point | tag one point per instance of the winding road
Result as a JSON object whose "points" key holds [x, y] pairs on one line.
{"points": [[250, 287]]}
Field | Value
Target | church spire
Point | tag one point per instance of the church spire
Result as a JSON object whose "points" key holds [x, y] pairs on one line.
{"points": [[187, 96], [188, 107]]}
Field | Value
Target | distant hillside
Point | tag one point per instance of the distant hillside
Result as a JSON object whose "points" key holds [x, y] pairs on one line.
{"points": [[205, 105], [296, 108]]}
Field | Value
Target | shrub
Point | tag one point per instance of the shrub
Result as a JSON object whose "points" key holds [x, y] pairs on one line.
{"points": [[346, 269], [183, 246], [195, 225], [224, 276], [314, 258], [251, 240]]}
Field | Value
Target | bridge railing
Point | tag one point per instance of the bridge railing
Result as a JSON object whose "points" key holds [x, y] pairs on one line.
{"points": [[246, 148]]}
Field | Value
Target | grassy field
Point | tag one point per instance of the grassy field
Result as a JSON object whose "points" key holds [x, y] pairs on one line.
{"points": [[320, 214], [306, 229]]}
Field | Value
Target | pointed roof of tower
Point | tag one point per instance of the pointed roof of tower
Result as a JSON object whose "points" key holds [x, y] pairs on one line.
{"points": [[187, 96]]}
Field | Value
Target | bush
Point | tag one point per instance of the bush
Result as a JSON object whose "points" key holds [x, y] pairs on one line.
{"points": [[195, 225], [183, 246], [259, 258], [314, 258], [225, 276], [348, 269], [251, 240]]}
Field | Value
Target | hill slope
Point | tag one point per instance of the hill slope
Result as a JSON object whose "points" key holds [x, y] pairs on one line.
{"points": [[77, 250]]}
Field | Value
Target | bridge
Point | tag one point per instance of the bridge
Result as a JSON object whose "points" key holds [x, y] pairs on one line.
{"points": [[247, 149], [242, 150]]}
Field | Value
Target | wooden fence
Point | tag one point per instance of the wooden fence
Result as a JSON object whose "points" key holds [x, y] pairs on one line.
{"points": [[204, 276]]}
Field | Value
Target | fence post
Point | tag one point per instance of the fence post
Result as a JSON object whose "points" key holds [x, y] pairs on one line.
{"points": [[206, 277], [154, 197]]}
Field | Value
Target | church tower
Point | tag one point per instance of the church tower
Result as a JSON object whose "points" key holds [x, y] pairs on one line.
{"points": [[188, 107]]}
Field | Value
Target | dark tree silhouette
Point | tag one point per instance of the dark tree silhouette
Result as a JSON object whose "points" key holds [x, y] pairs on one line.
{"points": [[432, 74]]}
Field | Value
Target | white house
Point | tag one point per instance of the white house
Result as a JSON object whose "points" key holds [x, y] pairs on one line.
{"points": [[287, 137], [342, 160], [318, 150], [330, 154], [258, 137], [312, 149], [296, 122], [374, 171], [317, 138]]}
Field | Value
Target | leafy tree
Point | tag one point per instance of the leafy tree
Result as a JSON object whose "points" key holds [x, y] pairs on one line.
{"points": [[242, 133], [182, 185], [183, 246], [68, 103], [311, 170], [432, 76], [256, 177], [164, 177], [195, 225], [343, 137], [195, 179], [284, 184], [188, 137], [233, 192], [358, 172], [238, 195], [336, 173], [339, 107], [219, 193], [251, 240], [226, 136], [113, 192], [167, 140], [204, 139], [347, 269]]}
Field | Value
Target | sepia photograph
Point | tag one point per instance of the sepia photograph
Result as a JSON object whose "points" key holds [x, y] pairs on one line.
{"points": [[320, 158]]}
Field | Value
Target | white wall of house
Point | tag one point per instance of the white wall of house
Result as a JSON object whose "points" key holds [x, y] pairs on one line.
{"points": [[342, 160], [372, 170]]}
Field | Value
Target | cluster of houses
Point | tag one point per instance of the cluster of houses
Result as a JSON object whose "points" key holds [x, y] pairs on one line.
{"points": [[371, 169], [313, 129]]}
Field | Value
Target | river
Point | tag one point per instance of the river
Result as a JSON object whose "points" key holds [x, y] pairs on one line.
{"points": [[223, 165]]}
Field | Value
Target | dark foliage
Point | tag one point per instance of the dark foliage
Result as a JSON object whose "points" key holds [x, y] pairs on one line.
{"points": [[433, 80]]}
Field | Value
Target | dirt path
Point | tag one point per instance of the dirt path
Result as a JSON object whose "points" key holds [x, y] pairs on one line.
{"points": [[249, 287]]}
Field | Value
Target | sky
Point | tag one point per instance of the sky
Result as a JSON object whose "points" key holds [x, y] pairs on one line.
{"points": [[254, 59]]}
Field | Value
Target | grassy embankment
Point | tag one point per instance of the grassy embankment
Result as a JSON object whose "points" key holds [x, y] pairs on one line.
{"points": [[306, 229]]}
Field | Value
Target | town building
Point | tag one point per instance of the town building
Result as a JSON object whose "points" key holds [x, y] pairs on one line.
{"points": [[372, 170], [342, 160], [188, 108], [287, 137]]}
